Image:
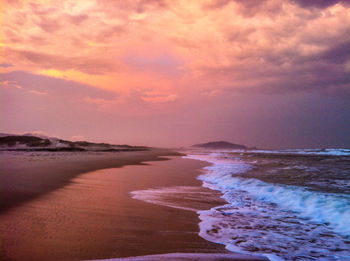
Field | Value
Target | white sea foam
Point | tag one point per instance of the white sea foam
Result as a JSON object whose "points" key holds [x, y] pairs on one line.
{"points": [[326, 152], [326, 208], [314, 152], [272, 219], [175, 197], [280, 222]]}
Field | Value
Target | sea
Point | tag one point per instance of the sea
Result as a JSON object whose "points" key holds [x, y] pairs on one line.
{"points": [[282, 204]]}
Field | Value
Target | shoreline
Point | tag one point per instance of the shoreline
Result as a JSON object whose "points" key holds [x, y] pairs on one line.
{"points": [[94, 216], [191, 257], [27, 175]]}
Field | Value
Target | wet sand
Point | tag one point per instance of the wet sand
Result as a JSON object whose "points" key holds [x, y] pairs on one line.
{"points": [[93, 216], [27, 175]]}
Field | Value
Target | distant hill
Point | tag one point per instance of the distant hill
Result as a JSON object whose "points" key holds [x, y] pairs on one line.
{"points": [[220, 145], [32, 142]]}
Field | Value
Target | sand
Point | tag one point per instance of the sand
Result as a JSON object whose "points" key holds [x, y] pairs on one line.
{"points": [[26, 175], [79, 207]]}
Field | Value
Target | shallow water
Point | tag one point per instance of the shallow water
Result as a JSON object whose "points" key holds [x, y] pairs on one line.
{"points": [[286, 205]]}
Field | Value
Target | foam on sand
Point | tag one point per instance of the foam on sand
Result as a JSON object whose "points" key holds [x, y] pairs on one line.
{"points": [[192, 257], [189, 198]]}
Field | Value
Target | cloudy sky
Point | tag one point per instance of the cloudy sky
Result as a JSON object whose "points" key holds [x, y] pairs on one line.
{"points": [[266, 73]]}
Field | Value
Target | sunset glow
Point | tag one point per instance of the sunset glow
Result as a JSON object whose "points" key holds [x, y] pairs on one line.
{"points": [[174, 130], [234, 69]]}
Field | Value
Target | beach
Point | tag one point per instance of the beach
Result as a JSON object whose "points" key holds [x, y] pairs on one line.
{"points": [[175, 130], [81, 208], [27, 175]]}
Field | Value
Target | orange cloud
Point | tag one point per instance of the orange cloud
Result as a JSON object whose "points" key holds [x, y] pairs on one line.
{"points": [[170, 45]]}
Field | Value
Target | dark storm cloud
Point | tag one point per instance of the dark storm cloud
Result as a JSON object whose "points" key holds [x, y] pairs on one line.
{"points": [[5, 65], [338, 53], [303, 52], [290, 72], [319, 3], [250, 5]]}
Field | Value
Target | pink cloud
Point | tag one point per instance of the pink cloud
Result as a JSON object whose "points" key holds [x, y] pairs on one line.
{"points": [[187, 62]]}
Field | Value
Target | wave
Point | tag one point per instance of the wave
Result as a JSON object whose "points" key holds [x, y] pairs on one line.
{"points": [[327, 208], [326, 152], [307, 152], [272, 219]]}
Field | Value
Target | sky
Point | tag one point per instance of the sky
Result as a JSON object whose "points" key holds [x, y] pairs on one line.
{"points": [[264, 73]]}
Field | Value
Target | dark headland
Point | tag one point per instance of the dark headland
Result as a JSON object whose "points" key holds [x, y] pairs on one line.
{"points": [[220, 145]]}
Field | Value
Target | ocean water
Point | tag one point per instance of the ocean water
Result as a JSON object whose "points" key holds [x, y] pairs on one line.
{"points": [[285, 205]]}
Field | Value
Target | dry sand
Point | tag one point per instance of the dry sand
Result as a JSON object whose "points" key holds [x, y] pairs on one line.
{"points": [[91, 215]]}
